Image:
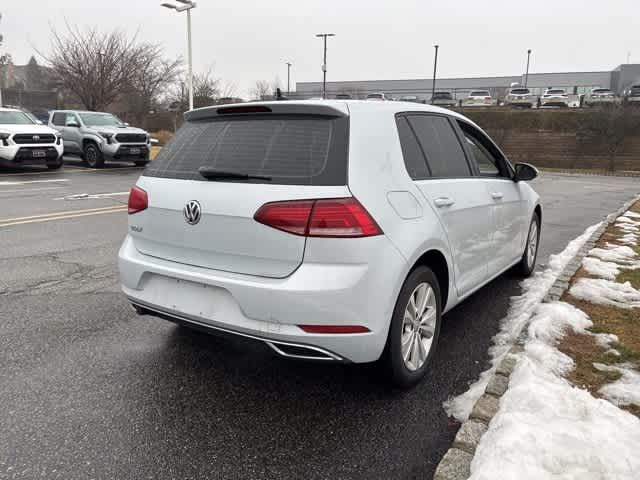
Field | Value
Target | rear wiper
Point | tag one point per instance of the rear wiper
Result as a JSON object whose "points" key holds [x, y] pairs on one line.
{"points": [[213, 174]]}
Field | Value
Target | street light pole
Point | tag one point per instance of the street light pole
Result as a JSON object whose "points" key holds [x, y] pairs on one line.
{"points": [[324, 64], [288, 76], [526, 76], [1, 79], [435, 69], [190, 61], [186, 6]]}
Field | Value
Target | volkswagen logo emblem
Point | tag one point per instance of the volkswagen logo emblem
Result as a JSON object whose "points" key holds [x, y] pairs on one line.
{"points": [[192, 212], [36, 138]]}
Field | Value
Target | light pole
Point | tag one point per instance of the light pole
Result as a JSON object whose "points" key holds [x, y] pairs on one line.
{"points": [[1, 79], [186, 6], [288, 76], [526, 75], [435, 69], [324, 63]]}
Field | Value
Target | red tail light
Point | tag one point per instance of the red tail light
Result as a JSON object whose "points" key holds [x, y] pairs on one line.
{"points": [[335, 217], [334, 328], [138, 200]]}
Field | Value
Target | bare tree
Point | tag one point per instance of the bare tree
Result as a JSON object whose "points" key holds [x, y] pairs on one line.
{"points": [[95, 66], [206, 90], [153, 75], [261, 89]]}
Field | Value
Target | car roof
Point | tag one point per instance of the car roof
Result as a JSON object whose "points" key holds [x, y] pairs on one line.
{"points": [[344, 107]]}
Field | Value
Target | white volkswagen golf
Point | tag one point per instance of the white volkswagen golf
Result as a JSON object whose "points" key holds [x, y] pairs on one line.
{"points": [[329, 230]]}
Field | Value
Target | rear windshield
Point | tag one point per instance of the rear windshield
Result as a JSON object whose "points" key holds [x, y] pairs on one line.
{"points": [[375, 95], [556, 92], [601, 90], [479, 93], [442, 96], [520, 91], [291, 149]]}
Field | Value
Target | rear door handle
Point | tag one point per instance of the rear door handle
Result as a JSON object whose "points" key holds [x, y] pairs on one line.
{"points": [[497, 195], [444, 202]]}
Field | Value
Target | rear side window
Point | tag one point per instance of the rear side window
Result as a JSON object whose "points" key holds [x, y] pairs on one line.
{"points": [[59, 119], [440, 144], [413, 157], [291, 149]]}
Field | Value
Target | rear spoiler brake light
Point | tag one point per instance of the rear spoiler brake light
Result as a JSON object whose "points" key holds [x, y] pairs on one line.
{"points": [[243, 109]]}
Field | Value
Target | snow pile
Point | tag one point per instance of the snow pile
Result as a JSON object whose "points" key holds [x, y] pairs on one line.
{"points": [[595, 266], [607, 262], [606, 292], [625, 390], [548, 429], [613, 253], [534, 289]]}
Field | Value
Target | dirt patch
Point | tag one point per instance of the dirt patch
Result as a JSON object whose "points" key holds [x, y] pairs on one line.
{"points": [[624, 323], [631, 276], [584, 350]]}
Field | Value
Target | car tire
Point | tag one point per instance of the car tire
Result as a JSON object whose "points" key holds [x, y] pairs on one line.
{"points": [[92, 155], [55, 165], [527, 263], [403, 359]]}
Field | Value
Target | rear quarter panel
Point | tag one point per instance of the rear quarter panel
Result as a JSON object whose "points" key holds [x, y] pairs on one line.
{"points": [[376, 169]]}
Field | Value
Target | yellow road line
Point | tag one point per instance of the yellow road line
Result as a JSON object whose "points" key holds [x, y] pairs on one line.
{"points": [[63, 213], [75, 170], [46, 172], [38, 220]]}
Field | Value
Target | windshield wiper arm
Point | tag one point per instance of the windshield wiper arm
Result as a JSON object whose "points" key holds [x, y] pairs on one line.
{"points": [[213, 174]]}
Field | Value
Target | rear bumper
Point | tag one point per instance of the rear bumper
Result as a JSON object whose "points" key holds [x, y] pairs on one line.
{"points": [[554, 102], [270, 309]]}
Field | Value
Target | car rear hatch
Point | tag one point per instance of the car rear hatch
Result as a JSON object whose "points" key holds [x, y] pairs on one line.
{"points": [[295, 151]]}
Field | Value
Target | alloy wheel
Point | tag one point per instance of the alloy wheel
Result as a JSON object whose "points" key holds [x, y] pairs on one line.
{"points": [[418, 326], [532, 243]]}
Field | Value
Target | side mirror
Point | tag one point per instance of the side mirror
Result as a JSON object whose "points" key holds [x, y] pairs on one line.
{"points": [[73, 125], [126, 124], [524, 172], [39, 122]]}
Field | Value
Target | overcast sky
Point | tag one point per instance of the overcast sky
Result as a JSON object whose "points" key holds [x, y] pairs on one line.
{"points": [[250, 40]]}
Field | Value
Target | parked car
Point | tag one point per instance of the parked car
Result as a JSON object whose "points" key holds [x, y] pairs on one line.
{"points": [[376, 96], [633, 95], [98, 137], [443, 99], [334, 231], [554, 97], [520, 97], [599, 96], [479, 98], [25, 141], [410, 98]]}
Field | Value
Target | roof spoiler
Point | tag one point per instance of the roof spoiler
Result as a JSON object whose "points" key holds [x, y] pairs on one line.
{"points": [[287, 107]]}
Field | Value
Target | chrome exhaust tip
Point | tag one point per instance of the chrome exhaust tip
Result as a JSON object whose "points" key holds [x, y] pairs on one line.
{"points": [[302, 352]]}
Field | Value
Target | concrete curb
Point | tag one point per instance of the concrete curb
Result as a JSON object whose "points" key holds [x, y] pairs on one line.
{"points": [[456, 463], [601, 173]]}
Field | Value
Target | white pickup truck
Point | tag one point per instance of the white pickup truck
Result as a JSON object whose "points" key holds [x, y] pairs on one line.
{"points": [[25, 141]]}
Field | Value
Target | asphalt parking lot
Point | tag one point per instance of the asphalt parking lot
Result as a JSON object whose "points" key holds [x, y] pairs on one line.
{"points": [[91, 391]]}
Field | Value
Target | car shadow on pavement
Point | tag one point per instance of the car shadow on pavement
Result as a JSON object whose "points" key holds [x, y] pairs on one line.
{"points": [[230, 395]]}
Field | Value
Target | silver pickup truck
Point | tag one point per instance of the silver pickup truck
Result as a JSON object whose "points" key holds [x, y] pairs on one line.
{"points": [[98, 137]]}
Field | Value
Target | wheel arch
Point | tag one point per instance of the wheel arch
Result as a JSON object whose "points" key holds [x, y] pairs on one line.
{"points": [[437, 262]]}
